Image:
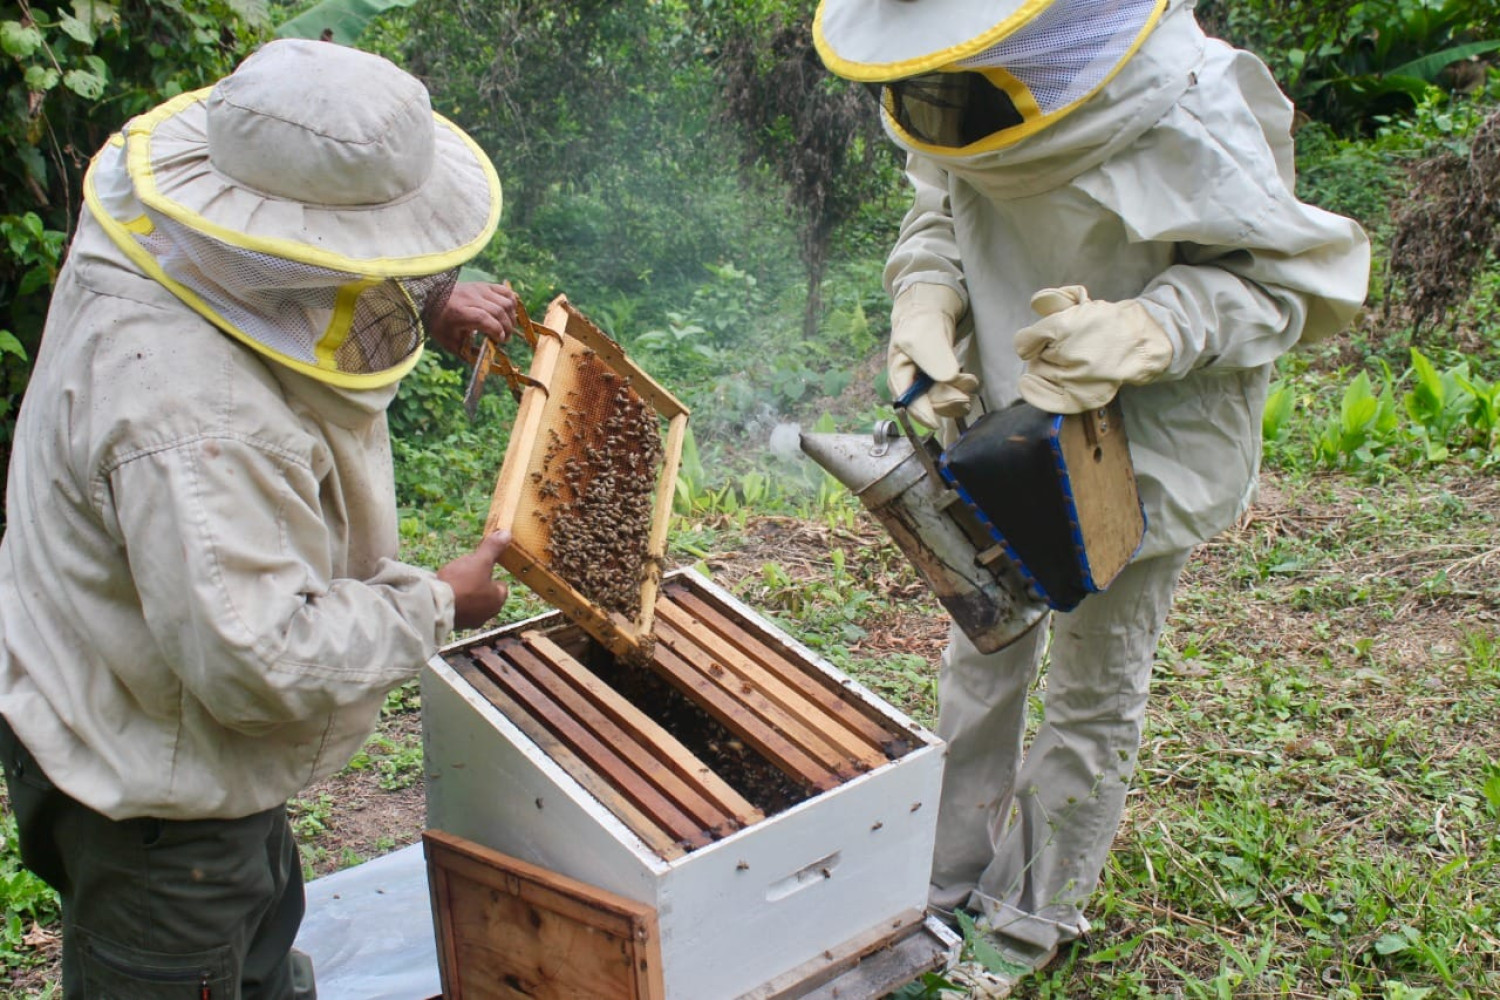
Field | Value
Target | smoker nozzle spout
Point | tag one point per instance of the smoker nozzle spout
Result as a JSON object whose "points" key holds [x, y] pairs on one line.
{"points": [[857, 460]]}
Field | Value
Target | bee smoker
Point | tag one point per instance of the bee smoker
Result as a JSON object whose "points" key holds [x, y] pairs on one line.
{"points": [[1026, 511], [896, 477]]}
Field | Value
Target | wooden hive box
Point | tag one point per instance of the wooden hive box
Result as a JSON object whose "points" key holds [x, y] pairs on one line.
{"points": [[579, 941], [777, 817]]}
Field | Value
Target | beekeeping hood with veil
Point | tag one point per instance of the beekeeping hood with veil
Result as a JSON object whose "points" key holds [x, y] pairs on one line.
{"points": [[1109, 144], [202, 462], [966, 77], [310, 205]]}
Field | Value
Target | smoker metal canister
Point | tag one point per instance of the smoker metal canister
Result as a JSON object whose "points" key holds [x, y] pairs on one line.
{"points": [[970, 574]]}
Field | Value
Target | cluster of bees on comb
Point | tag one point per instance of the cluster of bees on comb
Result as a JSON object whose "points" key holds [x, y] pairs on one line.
{"points": [[598, 487]]}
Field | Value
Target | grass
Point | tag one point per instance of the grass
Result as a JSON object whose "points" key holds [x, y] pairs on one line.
{"points": [[1317, 805]]}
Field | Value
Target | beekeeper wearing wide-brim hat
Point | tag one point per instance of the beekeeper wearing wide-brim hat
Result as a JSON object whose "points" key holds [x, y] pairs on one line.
{"points": [[311, 207], [1103, 204], [200, 607]]}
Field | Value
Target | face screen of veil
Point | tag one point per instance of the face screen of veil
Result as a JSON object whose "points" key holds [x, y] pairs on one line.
{"points": [[1023, 81], [950, 109]]}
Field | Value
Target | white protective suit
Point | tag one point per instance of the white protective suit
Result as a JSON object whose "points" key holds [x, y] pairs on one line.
{"points": [[200, 608], [199, 605], [1171, 185]]}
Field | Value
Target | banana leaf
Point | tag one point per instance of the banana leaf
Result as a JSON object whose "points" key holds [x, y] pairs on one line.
{"points": [[1429, 66], [341, 21]]}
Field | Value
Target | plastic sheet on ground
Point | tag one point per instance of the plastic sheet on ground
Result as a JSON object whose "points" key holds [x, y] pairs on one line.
{"points": [[369, 931]]}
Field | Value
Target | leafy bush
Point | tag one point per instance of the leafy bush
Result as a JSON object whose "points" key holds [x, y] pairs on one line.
{"points": [[1449, 225], [1349, 62], [1364, 430], [1348, 177], [1422, 417], [27, 900], [445, 465]]}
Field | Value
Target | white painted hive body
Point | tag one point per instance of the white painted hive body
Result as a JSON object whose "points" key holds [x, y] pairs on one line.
{"points": [[739, 915]]}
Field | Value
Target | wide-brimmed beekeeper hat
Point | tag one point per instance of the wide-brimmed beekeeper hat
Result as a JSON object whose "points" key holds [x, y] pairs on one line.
{"points": [[311, 203], [967, 76]]}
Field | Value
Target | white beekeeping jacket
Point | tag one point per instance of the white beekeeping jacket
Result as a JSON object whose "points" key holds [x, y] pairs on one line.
{"points": [[1172, 184], [200, 608]]}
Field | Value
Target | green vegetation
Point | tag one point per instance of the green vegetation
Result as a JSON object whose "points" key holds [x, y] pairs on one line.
{"points": [[1317, 810]]}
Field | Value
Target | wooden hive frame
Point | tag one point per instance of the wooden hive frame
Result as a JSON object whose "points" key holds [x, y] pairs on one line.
{"points": [[561, 396], [796, 720]]}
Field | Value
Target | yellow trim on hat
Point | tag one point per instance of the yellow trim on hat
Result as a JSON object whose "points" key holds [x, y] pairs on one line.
{"points": [[1033, 118], [885, 72], [139, 131], [120, 234]]}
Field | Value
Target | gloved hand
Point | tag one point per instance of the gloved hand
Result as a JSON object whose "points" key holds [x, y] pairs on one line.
{"points": [[1081, 351], [924, 321]]}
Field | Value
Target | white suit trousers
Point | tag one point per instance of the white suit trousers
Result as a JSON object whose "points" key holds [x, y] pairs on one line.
{"points": [[1023, 835]]}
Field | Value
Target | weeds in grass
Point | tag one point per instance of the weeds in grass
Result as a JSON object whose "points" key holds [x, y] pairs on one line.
{"points": [[310, 818], [1421, 417], [398, 763], [28, 901]]}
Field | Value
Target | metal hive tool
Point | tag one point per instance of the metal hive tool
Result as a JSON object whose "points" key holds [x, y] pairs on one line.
{"points": [[587, 482]]}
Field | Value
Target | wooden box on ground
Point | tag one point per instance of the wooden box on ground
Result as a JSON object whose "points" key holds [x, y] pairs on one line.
{"points": [[777, 817]]}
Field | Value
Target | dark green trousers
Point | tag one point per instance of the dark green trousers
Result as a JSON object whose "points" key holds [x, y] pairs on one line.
{"points": [[163, 909]]}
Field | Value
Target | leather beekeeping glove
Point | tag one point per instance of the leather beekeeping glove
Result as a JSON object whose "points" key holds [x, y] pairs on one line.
{"points": [[1081, 351], [924, 323]]}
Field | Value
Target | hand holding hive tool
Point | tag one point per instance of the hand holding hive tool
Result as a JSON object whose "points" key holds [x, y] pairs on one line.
{"points": [[485, 358]]}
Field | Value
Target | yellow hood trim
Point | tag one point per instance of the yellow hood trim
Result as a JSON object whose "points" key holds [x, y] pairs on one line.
{"points": [[934, 61]]}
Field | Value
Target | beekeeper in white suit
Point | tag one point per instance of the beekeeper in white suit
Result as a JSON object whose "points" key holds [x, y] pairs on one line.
{"points": [[200, 606], [1103, 204]]}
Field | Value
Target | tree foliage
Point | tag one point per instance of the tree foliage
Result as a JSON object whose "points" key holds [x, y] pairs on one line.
{"points": [[543, 86], [341, 21], [70, 74], [598, 118], [820, 136]]}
